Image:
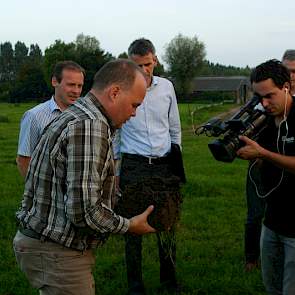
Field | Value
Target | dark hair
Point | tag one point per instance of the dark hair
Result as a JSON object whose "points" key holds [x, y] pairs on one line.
{"points": [[66, 65], [141, 47], [289, 54], [271, 69], [121, 71]]}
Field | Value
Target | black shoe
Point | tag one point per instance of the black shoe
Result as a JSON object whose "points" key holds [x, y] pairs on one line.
{"points": [[136, 293], [170, 288], [136, 289]]}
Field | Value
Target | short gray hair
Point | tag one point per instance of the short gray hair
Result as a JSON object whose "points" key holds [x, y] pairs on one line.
{"points": [[289, 54], [141, 47]]}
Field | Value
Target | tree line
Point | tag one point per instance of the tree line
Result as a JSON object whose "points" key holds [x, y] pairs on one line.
{"points": [[25, 72]]}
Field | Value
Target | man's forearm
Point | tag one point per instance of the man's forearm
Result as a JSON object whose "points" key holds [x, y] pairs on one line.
{"points": [[279, 160], [23, 164]]}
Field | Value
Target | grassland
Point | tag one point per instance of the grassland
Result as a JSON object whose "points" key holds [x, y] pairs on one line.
{"points": [[210, 258]]}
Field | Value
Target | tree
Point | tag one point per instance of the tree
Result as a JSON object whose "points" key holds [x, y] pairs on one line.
{"points": [[185, 57], [57, 52], [159, 70], [123, 55], [211, 69], [85, 51], [29, 84], [7, 70], [87, 42], [20, 54], [90, 56], [6, 62], [35, 53]]}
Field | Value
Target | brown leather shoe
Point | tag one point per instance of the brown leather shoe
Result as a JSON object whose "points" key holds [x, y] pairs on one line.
{"points": [[250, 266]]}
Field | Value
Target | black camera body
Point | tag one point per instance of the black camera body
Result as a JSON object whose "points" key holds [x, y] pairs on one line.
{"points": [[249, 121]]}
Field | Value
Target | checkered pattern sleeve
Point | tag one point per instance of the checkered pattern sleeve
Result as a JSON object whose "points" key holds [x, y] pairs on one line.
{"points": [[89, 156]]}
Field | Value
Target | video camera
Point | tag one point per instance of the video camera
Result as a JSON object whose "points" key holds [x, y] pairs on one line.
{"points": [[249, 121]]}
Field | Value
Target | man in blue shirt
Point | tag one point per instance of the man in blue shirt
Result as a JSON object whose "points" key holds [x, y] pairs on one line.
{"points": [[67, 80], [144, 143]]}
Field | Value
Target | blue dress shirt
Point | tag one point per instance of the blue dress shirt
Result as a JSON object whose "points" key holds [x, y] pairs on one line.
{"points": [[33, 123], [155, 125]]}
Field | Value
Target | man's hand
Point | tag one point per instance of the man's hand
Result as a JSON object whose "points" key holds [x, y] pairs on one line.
{"points": [[139, 225], [252, 150]]}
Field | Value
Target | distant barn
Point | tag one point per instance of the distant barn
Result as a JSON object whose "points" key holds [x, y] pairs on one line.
{"points": [[238, 86]]}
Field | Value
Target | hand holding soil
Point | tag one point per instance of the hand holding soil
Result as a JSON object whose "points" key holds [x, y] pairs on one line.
{"points": [[139, 225]]}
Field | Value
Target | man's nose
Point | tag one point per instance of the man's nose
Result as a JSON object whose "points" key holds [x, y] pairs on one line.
{"points": [[76, 89], [145, 69], [264, 102], [133, 114]]}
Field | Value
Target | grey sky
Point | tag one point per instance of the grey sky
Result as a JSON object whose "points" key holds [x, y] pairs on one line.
{"points": [[234, 32]]}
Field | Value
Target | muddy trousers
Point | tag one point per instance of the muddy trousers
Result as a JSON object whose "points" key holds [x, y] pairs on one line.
{"points": [[134, 170], [167, 256]]}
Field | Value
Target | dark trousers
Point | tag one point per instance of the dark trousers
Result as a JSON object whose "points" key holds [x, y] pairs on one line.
{"points": [[132, 172], [255, 214], [133, 256]]}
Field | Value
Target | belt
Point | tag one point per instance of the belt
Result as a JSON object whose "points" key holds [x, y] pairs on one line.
{"points": [[31, 233], [148, 160]]}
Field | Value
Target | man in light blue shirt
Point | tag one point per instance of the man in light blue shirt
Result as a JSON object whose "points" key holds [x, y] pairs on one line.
{"points": [[67, 80], [144, 143]]}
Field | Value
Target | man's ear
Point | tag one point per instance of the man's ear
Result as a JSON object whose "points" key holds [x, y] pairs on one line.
{"points": [[155, 58], [114, 92], [54, 82], [287, 86]]}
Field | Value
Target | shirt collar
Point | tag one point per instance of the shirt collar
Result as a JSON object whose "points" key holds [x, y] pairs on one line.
{"points": [[53, 105], [98, 105], [155, 81]]}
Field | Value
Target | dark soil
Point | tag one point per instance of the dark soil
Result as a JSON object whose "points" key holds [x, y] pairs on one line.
{"points": [[162, 193]]}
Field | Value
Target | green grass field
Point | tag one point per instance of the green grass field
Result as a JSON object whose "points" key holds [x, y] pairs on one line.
{"points": [[210, 239]]}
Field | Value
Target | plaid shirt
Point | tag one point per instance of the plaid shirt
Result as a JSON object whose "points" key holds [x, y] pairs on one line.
{"points": [[69, 190]]}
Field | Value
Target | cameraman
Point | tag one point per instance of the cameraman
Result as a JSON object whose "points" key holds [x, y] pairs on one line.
{"points": [[256, 205], [274, 157]]}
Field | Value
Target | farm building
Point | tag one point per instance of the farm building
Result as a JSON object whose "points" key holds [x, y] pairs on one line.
{"points": [[238, 86]]}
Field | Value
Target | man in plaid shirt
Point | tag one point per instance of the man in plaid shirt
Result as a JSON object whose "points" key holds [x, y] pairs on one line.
{"points": [[67, 204]]}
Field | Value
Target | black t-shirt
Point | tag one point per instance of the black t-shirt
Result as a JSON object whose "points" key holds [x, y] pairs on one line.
{"points": [[280, 208]]}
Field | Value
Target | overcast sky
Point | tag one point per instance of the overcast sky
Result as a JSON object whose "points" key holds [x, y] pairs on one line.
{"points": [[235, 32]]}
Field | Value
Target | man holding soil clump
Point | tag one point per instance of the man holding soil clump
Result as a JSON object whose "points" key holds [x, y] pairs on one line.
{"points": [[148, 144]]}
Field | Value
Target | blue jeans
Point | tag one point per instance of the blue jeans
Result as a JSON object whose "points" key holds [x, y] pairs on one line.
{"points": [[277, 262]]}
